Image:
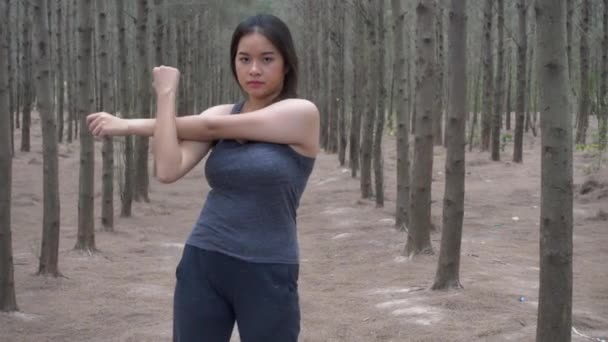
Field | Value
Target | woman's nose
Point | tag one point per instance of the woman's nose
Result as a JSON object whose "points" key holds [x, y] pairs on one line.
{"points": [[255, 70]]}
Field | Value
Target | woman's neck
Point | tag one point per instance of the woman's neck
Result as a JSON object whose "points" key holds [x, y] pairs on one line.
{"points": [[253, 104]]}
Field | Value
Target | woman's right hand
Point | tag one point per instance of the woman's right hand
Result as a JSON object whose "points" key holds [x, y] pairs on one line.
{"points": [[104, 124]]}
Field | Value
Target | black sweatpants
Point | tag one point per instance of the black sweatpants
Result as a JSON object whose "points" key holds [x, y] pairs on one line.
{"points": [[214, 290]]}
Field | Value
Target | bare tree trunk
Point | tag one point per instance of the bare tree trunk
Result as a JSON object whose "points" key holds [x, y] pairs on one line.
{"points": [[71, 72], [378, 158], [499, 95], [555, 292], [8, 301], [603, 112], [28, 91], [585, 98], [126, 194], [403, 116], [488, 76], [142, 181], [359, 74], [6, 15], [86, 96], [476, 99], [107, 105], [448, 268], [59, 77], [367, 136], [438, 117], [509, 88], [419, 234], [520, 105], [49, 251], [338, 140]]}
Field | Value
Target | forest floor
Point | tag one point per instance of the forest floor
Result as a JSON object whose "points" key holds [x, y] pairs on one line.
{"points": [[354, 283]]}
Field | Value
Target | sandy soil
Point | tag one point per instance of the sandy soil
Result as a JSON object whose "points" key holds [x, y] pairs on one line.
{"points": [[354, 283]]}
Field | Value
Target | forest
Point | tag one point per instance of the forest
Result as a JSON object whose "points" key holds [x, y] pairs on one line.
{"points": [[461, 191]]}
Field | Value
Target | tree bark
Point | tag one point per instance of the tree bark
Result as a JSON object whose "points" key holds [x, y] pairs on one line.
{"points": [[28, 91], [8, 301], [448, 268], [59, 77], [49, 251], [403, 116], [499, 94], [378, 158], [603, 112], [86, 213], [582, 122], [488, 76], [419, 234], [520, 106], [438, 117], [358, 99], [142, 181], [555, 292], [126, 194], [369, 116], [107, 105]]}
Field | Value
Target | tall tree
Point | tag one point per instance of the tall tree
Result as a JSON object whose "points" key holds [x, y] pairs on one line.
{"points": [[555, 292], [403, 116], [51, 213], [338, 87], [488, 75], [500, 73], [520, 106], [369, 116], [582, 122], [126, 194], [8, 301], [419, 228], [59, 77], [86, 222], [106, 104], [359, 75], [28, 91], [438, 117], [142, 180], [603, 112], [378, 158], [448, 269]]}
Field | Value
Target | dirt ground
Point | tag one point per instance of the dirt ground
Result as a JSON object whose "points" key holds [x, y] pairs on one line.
{"points": [[354, 283]]}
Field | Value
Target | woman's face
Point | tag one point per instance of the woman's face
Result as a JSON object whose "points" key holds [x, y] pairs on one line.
{"points": [[260, 67]]}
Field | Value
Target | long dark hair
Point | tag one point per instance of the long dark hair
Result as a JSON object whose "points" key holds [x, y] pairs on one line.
{"points": [[275, 30]]}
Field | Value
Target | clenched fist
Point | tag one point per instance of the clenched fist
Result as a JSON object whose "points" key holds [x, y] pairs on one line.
{"points": [[166, 80]]}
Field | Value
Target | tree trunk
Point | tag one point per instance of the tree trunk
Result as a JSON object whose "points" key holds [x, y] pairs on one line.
{"points": [[499, 95], [585, 97], [448, 268], [438, 117], [603, 112], [419, 234], [367, 136], [338, 139], [488, 76], [8, 301], [520, 106], [71, 72], [508, 101], [51, 219], [126, 194], [403, 117], [107, 105], [6, 15], [555, 292], [476, 99], [142, 181], [28, 91], [86, 100], [358, 99], [378, 158], [59, 77]]}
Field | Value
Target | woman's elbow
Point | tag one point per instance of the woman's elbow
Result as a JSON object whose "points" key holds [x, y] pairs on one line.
{"points": [[166, 175]]}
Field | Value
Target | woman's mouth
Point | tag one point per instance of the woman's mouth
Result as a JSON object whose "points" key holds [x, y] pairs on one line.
{"points": [[255, 84]]}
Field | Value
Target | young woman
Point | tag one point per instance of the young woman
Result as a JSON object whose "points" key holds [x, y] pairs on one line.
{"points": [[240, 262]]}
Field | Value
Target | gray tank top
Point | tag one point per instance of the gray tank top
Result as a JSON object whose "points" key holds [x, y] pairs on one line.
{"points": [[250, 211]]}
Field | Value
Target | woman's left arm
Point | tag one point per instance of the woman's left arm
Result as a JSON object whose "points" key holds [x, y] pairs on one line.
{"points": [[291, 121]]}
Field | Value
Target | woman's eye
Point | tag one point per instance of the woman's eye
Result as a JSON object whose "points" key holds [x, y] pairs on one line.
{"points": [[268, 59], [244, 59]]}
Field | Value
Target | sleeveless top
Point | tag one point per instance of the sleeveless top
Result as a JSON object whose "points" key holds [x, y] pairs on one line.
{"points": [[250, 211]]}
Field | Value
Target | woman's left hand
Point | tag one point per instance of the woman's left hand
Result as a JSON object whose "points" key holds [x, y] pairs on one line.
{"points": [[166, 80]]}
